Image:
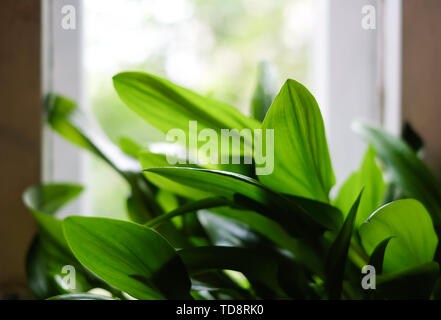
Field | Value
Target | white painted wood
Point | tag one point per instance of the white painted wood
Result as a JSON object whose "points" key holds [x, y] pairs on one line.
{"points": [[62, 67], [347, 77], [392, 74]]}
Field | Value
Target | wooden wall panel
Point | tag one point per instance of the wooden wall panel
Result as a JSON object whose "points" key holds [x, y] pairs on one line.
{"points": [[20, 126], [422, 74]]}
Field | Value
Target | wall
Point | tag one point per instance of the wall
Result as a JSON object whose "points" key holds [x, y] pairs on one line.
{"points": [[19, 133], [422, 74]]}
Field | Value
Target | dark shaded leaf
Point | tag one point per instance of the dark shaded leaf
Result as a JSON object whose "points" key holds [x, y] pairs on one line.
{"points": [[377, 257], [261, 267], [221, 183], [436, 293], [337, 255], [411, 284], [190, 207], [49, 252], [412, 138]]}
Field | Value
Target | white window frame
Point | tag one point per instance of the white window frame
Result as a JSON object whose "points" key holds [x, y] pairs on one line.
{"points": [[62, 68], [358, 74]]}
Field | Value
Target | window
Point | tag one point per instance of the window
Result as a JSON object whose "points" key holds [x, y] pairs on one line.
{"points": [[215, 48]]}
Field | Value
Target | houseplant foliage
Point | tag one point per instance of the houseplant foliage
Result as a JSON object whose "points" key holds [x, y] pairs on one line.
{"points": [[281, 234]]}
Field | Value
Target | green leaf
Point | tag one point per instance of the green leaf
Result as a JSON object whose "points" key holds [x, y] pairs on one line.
{"points": [[155, 160], [129, 147], [130, 257], [189, 207], [409, 223], [302, 166], [272, 231], [168, 106], [196, 122], [377, 257], [405, 169], [80, 296], [64, 117], [49, 198], [330, 216], [240, 225], [227, 184], [412, 138], [370, 179], [410, 284], [223, 231], [259, 266], [436, 293], [220, 291], [49, 252], [43, 201], [264, 92], [338, 253]]}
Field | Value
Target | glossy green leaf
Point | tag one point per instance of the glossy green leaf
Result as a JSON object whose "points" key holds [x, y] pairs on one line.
{"points": [[49, 252], [370, 179], [221, 207], [414, 241], [189, 207], [227, 184], [43, 201], [131, 257], [191, 120], [264, 92], [155, 160], [168, 106], [302, 165], [377, 257], [338, 253], [329, 215], [405, 169], [238, 226], [167, 201]]}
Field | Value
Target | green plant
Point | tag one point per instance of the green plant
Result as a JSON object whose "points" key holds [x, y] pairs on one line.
{"points": [[281, 234]]}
